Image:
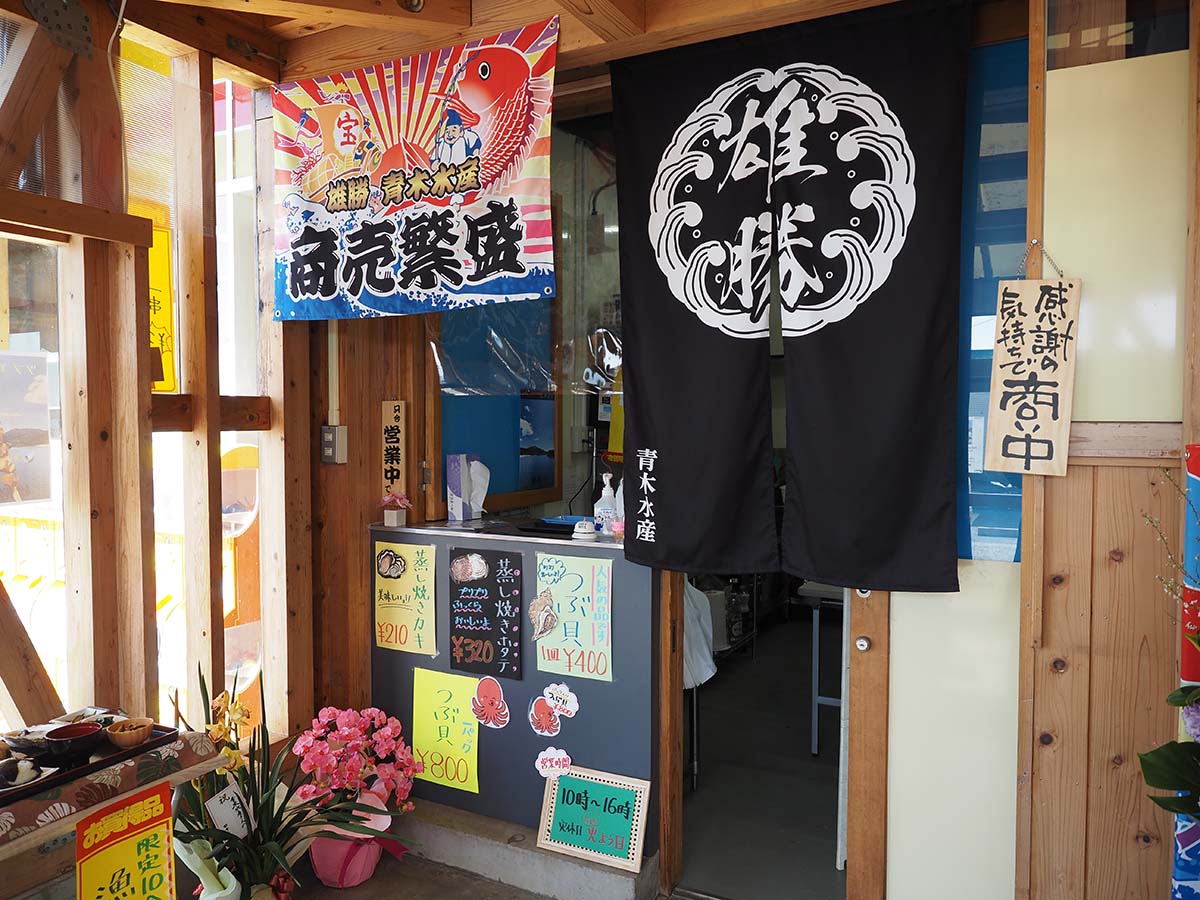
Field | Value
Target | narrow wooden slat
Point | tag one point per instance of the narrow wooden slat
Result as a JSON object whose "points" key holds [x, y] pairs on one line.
{"points": [[1058, 860], [33, 235], [137, 627], [91, 93], [867, 762], [89, 520], [610, 19], [21, 669], [196, 212], [50, 214], [435, 15], [670, 731], [29, 78], [1129, 841], [1033, 487], [1191, 375], [1143, 440], [285, 473]]}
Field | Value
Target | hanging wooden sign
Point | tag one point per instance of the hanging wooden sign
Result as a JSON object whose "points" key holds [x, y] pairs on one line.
{"points": [[597, 816], [392, 462], [1033, 376]]}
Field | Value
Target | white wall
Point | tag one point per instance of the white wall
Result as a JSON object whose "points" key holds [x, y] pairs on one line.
{"points": [[952, 738], [1116, 215]]}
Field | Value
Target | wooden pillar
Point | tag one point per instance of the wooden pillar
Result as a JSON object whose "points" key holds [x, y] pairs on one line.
{"points": [[670, 731], [29, 78], [285, 478], [867, 766], [196, 218], [1191, 377], [25, 682]]}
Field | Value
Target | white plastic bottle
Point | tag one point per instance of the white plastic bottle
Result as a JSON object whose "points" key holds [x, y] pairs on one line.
{"points": [[606, 507]]}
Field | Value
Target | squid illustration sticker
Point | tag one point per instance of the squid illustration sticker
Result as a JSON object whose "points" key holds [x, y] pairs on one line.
{"points": [[417, 184], [552, 762], [489, 705]]}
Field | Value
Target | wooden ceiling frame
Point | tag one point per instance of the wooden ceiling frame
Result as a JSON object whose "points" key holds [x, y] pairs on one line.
{"points": [[434, 16]]}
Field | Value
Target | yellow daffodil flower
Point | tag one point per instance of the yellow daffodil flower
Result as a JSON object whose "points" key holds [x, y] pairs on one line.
{"points": [[234, 760], [220, 705], [218, 732]]}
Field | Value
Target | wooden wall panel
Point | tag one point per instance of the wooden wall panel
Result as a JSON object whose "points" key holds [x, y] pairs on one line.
{"points": [[1133, 669], [379, 359], [1062, 690], [867, 766]]}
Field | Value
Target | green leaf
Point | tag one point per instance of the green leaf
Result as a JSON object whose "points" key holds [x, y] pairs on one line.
{"points": [[204, 698], [1175, 766], [1193, 639], [1184, 696], [1187, 806]]}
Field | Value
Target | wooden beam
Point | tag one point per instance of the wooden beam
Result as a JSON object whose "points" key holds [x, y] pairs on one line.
{"points": [[33, 235], [610, 20], [285, 477], [91, 94], [129, 322], [21, 669], [22, 208], [867, 764], [670, 731], [1191, 376], [1125, 440], [171, 412], [196, 213], [435, 15], [238, 40], [245, 413], [667, 24], [29, 78]]}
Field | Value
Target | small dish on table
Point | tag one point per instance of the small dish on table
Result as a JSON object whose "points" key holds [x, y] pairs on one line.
{"points": [[74, 742], [130, 732]]}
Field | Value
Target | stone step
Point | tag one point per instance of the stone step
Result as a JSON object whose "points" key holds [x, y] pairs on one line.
{"points": [[509, 854]]}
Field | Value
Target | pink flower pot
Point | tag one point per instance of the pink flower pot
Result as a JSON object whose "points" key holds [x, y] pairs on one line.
{"points": [[343, 864]]}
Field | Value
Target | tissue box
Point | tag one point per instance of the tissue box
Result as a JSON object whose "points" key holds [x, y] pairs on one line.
{"points": [[458, 486]]}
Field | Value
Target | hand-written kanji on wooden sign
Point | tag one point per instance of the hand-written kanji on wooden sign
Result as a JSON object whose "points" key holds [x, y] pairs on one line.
{"points": [[485, 612], [405, 608], [579, 590], [392, 465], [1033, 376]]}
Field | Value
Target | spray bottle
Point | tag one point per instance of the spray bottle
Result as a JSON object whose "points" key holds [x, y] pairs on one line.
{"points": [[606, 507]]}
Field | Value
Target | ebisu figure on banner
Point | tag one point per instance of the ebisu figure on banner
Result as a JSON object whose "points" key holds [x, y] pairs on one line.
{"points": [[835, 204], [419, 184]]}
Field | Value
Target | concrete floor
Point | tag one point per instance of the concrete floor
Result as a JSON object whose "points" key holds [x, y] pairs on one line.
{"points": [[763, 823], [413, 879]]}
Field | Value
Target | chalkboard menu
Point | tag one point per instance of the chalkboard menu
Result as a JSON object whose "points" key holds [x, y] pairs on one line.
{"points": [[485, 612]]}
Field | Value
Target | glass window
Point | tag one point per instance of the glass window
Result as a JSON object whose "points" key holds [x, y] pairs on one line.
{"points": [[31, 485], [993, 244]]}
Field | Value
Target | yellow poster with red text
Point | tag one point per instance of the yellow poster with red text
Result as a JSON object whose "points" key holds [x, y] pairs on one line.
{"points": [[123, 851]]}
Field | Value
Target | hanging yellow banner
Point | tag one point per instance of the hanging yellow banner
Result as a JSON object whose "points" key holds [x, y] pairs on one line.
{"points": [[405, 618], [162, 314], [445, 730], [124, 850]]}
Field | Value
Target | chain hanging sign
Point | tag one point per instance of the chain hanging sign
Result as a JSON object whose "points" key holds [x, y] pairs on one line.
{"points": [[1033, 373]]}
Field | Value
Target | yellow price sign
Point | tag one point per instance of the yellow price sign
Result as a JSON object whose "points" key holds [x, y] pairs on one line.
{"points": [[445, 730], [405, 617], [124, 852]]}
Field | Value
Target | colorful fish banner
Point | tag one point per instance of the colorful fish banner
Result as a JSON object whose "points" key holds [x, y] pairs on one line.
{"points": [[417, 185]]}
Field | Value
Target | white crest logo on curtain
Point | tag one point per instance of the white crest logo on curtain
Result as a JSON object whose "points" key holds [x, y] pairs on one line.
{"points": [[801, 123]]}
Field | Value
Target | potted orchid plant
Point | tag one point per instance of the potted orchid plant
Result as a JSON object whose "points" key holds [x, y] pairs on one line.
{"points": [[355, 756], [287, 804], [395, 507]]}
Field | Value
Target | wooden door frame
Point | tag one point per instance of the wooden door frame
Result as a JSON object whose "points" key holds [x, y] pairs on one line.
{"points": [[867, 765]]}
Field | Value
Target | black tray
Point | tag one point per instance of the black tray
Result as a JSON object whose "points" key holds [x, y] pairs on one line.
{"points": [[105, 755]]}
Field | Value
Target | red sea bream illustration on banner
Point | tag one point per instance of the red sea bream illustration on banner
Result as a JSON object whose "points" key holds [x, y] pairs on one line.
{"points": [[419, 184]]}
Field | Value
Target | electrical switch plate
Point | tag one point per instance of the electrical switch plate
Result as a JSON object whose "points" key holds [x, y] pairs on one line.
{"points": [[334, 443]]}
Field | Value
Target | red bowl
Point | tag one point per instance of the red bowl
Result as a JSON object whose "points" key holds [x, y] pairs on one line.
{"points": [[74, 741]]}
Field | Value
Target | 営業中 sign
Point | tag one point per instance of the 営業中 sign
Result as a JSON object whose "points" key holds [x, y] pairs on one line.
{"points": [[405, 613], [419, 184], [574, 601], [124, 850], [392, 462], [1033, 376], [485, 612], [595, 815]]}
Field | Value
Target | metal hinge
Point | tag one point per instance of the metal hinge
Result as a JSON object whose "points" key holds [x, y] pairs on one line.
{"points": [[426, 475]]}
